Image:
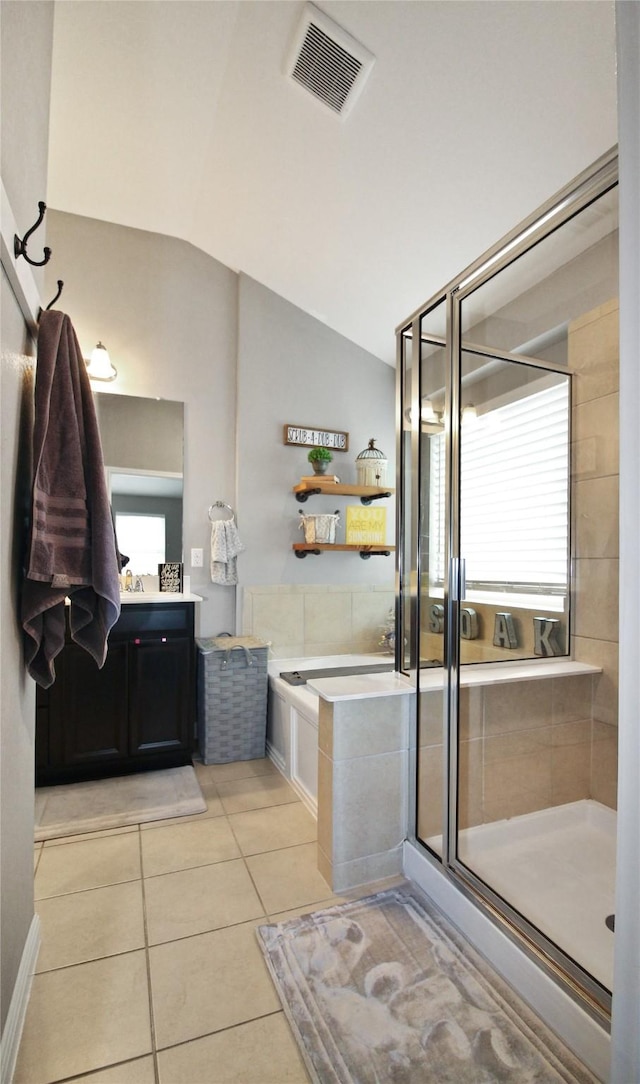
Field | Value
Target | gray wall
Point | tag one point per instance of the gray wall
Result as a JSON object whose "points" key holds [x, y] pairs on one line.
{"points": [[294, 369], [625, 1029], [179, 325], [167, 314], [27, 31], [143, 434]]}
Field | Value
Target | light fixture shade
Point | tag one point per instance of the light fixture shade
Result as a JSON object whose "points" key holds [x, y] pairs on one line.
{"points": [[427, 412], [100, 367]]}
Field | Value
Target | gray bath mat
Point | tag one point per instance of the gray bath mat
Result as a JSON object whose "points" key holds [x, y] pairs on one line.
{"points": [[384, 989], [74, 808]]}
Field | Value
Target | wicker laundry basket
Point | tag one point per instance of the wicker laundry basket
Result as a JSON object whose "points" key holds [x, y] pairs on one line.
{"points": [[232, 698]]}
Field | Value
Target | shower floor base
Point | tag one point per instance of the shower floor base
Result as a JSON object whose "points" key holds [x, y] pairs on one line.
{"points": [[557, 868]]}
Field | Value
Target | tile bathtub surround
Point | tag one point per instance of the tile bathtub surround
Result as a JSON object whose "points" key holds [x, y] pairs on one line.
{"points": [[317, 619], [362, 800], [149, 970]]}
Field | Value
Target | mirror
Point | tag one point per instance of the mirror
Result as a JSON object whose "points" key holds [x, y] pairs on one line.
{"points": [[142, 444]]}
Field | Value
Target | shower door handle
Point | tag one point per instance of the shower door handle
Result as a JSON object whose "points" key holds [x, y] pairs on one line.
{"points": [[458, 578]]}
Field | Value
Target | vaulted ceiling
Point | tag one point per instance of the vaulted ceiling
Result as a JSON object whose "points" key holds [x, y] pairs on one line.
{"points": [[177, 116]]}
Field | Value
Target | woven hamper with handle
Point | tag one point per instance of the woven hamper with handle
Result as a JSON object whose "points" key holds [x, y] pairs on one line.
{"points": [[232, 698]]}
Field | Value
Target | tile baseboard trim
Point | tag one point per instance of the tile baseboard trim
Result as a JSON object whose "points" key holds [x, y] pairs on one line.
{"points": [[12, 1034]]}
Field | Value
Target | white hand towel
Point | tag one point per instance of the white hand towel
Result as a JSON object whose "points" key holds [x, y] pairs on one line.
{"points": [[225, 547]]}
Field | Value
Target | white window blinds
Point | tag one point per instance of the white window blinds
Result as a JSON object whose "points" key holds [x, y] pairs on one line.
{"points": [[514, 496]]}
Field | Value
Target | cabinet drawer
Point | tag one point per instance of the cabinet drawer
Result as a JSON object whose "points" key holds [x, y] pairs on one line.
{"points": [[152, 618]]}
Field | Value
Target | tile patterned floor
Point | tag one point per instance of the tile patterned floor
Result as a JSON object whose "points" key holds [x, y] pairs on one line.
{"points": [[150, 971]]}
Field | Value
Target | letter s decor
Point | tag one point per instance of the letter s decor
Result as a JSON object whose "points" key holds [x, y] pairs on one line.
{"points": [[436, 618]]}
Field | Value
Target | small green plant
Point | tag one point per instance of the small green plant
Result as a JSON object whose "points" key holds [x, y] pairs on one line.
{"points": [[320, 454]]}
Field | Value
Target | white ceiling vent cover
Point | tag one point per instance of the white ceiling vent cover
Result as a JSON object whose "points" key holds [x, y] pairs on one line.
{"points": [[328, 62]]}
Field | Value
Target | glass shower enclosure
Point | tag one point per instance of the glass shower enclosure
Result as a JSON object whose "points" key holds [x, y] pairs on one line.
{"points": [[508, 578]]}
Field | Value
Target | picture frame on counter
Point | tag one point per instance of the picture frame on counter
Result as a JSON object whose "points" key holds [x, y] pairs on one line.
{"points": [[170, 577]]}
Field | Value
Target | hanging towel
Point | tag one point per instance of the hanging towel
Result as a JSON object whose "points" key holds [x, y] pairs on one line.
{"points": [[72, 548], [225, 547]]}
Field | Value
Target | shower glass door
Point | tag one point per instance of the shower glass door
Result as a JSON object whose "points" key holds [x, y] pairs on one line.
{"points": [[511, 635], [514, 483]]}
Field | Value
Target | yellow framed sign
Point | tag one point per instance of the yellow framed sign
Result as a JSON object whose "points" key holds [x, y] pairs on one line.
{"points": [[365, 526]]}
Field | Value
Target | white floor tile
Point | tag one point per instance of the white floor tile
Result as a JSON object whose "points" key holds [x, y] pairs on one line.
{"points": [[196, 900], [207, 983], [90, 863], [85, 1017]]}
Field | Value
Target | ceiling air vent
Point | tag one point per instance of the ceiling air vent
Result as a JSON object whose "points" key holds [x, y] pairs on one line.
{"points": [[328, 62]]}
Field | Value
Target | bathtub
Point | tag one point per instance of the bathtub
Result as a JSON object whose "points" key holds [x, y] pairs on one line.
{"points": [[292, 720]]}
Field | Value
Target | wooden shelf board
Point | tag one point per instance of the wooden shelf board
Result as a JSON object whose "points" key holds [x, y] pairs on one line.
{"points": [[373, 548], [339, 488]]}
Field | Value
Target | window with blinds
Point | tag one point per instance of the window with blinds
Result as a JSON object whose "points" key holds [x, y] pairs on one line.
{"points": [[143, 539], [514, 499]]}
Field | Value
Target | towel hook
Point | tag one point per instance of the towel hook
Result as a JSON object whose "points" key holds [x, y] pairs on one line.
{"points": [[220, 504], [20, 246], [53, 299]]}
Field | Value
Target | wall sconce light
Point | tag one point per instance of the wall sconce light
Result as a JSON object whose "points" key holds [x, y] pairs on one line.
{"points": [[99, 367], [431, 418], [428, 413], [469, 415]]}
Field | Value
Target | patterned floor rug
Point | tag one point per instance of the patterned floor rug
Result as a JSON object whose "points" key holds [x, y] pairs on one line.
{"points": [[74, 808], [384, 990]]}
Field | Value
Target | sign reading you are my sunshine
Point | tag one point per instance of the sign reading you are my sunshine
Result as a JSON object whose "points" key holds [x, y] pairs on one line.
{"points": [[316, 438]]}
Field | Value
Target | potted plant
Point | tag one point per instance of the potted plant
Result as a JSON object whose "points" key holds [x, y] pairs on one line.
{"points": [[319, 459]]}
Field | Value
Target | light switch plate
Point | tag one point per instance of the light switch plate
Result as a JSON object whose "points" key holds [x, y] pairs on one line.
{"points": [[196, 558]]}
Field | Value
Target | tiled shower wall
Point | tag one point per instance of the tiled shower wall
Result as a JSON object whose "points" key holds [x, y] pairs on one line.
{"points": [[524, 745], [321, 619], [593, 359], [530, 745]]}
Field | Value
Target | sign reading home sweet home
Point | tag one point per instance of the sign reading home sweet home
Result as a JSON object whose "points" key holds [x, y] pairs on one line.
{"points": [[316, 438]]}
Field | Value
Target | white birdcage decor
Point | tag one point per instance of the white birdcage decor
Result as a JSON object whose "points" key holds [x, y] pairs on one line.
{"points": [[371, 466]]}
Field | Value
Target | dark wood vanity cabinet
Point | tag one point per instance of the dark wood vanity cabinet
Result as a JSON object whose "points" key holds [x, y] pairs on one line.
{"points": [[136, 713]]}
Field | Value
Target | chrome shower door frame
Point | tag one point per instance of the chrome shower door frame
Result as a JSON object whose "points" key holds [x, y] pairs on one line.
{"points": [[584, 190]]}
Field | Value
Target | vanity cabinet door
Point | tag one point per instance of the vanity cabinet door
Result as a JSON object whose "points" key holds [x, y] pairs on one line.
{"points": [[93, 706], [134, 714], [160, 676]]}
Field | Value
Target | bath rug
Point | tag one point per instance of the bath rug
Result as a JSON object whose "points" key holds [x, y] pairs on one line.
{"points": [[385, 989], [75, 808]]}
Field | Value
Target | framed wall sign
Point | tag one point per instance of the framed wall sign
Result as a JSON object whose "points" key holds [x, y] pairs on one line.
{"points": [[170, 577], [313, 437], [366, 526]]}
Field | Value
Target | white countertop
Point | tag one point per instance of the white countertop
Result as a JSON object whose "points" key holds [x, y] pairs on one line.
{"points": [[127, 598], [301, 696], [361, 686], [316, 662]]}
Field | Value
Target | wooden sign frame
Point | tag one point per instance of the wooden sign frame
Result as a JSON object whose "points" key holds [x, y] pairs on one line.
{"points": [[312, 436]]}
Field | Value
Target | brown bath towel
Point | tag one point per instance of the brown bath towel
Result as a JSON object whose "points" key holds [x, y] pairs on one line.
{"points": [[72, 548]]}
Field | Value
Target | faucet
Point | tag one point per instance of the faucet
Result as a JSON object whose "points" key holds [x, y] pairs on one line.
{"points": [[128, 580], [139, 586]]}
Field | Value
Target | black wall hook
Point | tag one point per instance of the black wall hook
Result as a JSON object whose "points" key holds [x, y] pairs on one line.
{"points": [[53, 299], [20, 246]]}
